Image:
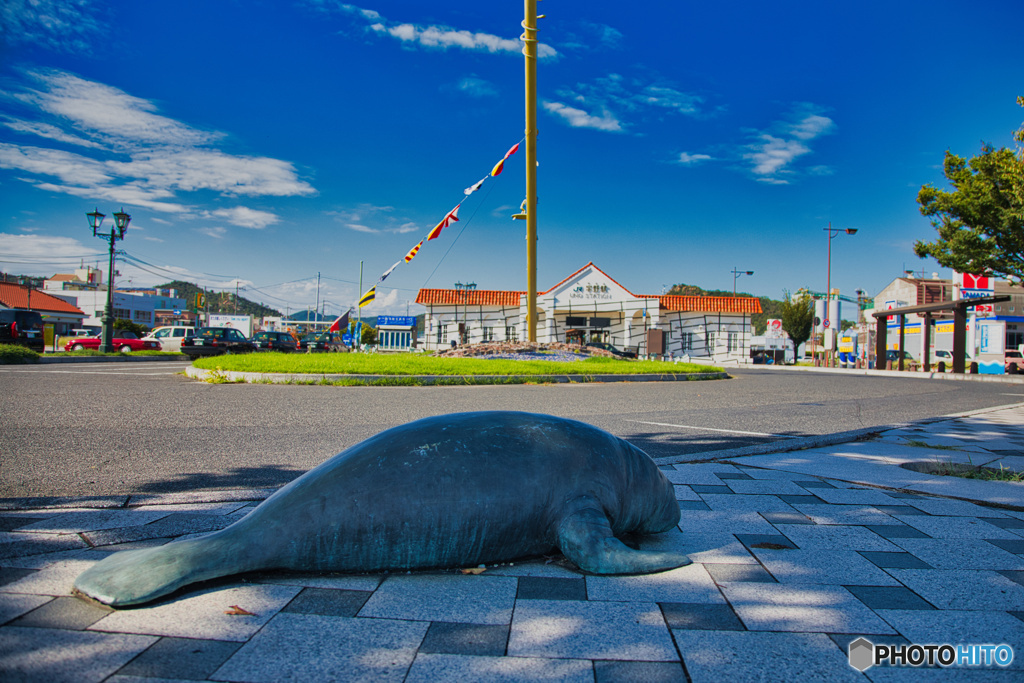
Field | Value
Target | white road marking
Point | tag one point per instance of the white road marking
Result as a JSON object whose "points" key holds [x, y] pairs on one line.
{"points": [[708, 429]]}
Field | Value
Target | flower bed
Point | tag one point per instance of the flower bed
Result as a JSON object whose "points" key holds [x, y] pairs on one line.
{"points": [[556, 351]]}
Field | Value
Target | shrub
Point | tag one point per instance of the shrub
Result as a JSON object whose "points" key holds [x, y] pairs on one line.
{"points": [[12, 354]]}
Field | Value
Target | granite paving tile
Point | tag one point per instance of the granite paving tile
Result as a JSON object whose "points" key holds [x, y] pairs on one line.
{"points": [[963, 589], [592, 630], [845, 514], [693, 505], [12, 522], [310, 647], [56, 656], [352, 582], [65, 613], [952, 508], [13, 605], [706, 489], [328, 602], [225, 508], [889, 597], [766, 487], [118, 678], [836, 567], [639, 672], [753, 503], [773, 541], [961, 553], [484, 640], [1015, 547], [956, 626], [717, 522], [17, 544], [201, 614], [430, 668], [1005, 522], [955, 527], [724, 573], [555, 567], [758, 473], [886, 560], [183, 658], [835, 537], [803, 607], [685, 493], [895, 531], [55, 579], [93, 520], [734, 475], [813, 484], [12, 574], [802, 500], [900, 509], [691, 583], [1014, 575], [699, 473], [786, 517], [171, 524], [853, 496], [684, 615], [716, 656], [444, 597], [550, 588], [701, 548]]}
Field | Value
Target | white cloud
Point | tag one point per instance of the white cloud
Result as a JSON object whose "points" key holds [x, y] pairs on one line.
{"points": [[215, 232], [692, 159], [42, 247], [246, 217], [441, 37], [60, 25], [773, 154], [476, 87], [131, 153], [374, 220], [577, 118]]}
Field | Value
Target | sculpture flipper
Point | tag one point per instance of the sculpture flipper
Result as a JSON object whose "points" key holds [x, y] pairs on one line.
{"points": [[585, 536]]}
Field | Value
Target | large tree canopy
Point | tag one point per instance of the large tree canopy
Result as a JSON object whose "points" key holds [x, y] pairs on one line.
{"points": [[981, 222], [797, 315]]}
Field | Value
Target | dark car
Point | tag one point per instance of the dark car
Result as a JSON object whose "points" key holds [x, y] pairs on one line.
{"points": [[274, 341], [894, 355], [24, 328], [325, 341], [215, 341], [621, 353]]}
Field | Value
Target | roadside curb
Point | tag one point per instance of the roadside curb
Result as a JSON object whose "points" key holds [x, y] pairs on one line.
{"points": [[123, 358], [313, 378], [906, 374], [135, 500]]}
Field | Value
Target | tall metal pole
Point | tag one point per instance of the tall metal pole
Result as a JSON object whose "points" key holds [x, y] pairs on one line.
{"points": [[356, 343], [529, 38], [107, 337], [317, 307]]}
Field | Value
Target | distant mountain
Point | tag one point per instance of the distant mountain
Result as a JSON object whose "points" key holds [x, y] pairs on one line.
{"points": [[770, 308], [220, 302]]}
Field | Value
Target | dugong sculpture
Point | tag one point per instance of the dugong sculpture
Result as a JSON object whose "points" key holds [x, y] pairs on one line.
{"points": [[447, 491]]}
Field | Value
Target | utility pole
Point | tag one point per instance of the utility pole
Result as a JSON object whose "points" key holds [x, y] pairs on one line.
{"points": [[356, 343], [317, 307], [529, 39]]}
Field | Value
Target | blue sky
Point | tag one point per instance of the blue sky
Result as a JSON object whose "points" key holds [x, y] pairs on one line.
{"points": [[259, 142]]}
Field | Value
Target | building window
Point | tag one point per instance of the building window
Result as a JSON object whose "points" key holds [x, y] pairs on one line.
{"points": [[511, 333], [144, 317], [712, 341], [122, 314], [442, 334], [732, 341], [488, 334], [686, 339]]}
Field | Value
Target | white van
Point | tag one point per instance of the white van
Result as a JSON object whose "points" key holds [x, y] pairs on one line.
{"points": [[170, 338]]}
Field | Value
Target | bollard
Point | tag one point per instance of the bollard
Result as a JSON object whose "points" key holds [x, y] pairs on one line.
{"points": [[974, 368], [942, 366]]}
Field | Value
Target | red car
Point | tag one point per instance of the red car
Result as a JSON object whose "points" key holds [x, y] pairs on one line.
{"points": [[124, 341]]}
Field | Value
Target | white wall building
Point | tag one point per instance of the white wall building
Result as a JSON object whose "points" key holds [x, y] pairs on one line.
{"points": [[591, 306]]}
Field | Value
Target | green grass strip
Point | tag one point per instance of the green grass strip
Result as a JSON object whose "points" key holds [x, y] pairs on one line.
{"points": [[399, 364]]}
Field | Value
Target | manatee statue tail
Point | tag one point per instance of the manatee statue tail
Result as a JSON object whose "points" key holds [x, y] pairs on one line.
{"points": [[134, 577], [585, 536]]}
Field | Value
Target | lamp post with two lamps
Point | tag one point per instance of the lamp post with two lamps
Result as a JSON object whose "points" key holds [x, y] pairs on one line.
{"points": [[832, 232], [464, 290], [121, 220]]}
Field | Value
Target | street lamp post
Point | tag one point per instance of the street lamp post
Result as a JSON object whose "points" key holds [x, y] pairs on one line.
{"points": [[736, 274], [121, 220], [832, 232]]}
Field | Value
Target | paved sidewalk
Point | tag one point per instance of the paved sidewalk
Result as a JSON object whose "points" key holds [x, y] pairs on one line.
{"points": [[794, 556]]}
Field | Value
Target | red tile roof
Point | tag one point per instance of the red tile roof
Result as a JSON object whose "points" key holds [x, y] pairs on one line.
{"points": [[709, 304], [478, 297], [16, 296]]}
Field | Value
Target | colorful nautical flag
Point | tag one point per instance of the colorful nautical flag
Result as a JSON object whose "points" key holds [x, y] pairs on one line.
{"points": [[500, 166], [340, 323], [452, 217], [388, 272], [475, 186], [412, 252], [369, 296]]}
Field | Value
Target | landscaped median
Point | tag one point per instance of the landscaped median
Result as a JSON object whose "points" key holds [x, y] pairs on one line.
{"points": [[413, 369]]}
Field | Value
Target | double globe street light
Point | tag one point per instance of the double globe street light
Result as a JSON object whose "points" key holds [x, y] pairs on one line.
{"points": [[121, 220]]}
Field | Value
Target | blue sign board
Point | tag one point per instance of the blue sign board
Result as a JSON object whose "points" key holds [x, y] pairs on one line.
{"points": [[347, 339], [397, 320]]}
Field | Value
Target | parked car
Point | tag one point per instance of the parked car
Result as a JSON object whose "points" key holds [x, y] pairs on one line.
{"points": [[215, 341], [621, 353], [894, 355], [1014, 359], [274, 341], [24, 328], [124, 341], [170, 338]]}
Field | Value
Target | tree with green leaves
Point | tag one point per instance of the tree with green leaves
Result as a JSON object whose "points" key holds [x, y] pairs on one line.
{"points": [[139, 329], [981, 222], [797, 315]]}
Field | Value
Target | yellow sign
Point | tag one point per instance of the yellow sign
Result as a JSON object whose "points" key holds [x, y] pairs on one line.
{"points": [[200, 300]]}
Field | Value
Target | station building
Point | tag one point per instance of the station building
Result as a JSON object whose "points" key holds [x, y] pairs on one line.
{"points": [[589, 306]]}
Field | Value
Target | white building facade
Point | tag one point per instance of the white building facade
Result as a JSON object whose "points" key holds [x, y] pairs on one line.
{"points": [[590, 306]]}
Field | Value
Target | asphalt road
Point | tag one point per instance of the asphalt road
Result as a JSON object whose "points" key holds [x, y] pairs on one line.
{"points": [[130, 428]]}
